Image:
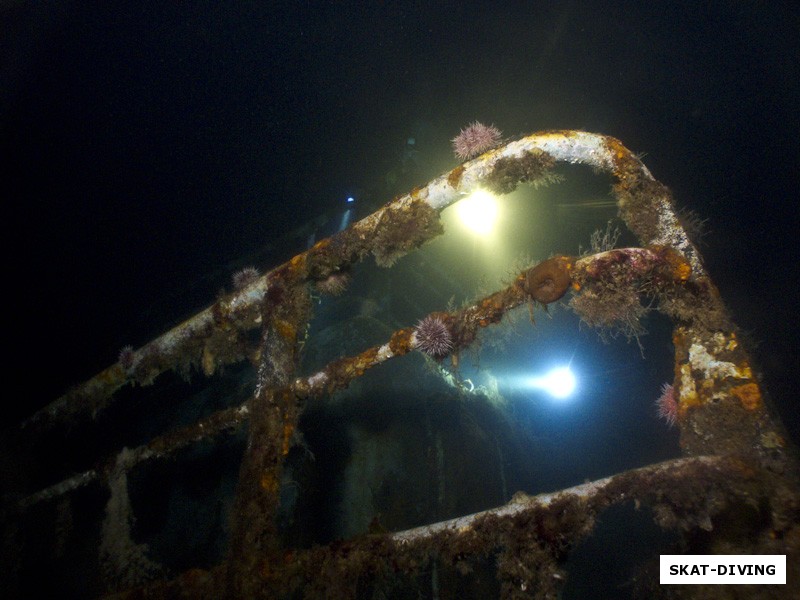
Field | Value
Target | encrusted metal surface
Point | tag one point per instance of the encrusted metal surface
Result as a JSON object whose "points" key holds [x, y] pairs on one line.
{"points": [[720, 402]]}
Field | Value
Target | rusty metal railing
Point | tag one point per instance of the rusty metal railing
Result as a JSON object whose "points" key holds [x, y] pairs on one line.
{"points": [[735, 449]]}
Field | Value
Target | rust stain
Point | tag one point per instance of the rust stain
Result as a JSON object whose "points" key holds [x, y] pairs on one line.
{"points": [[321, 245], [749, 395], [297, 264], [288, 430], [454, 177], [687, 392], [285, 329], [400, 343], [680, 268], [268, 482]]}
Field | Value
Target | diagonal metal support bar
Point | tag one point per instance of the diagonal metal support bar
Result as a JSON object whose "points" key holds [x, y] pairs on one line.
{"points": [[396, 228], [658, 267]]}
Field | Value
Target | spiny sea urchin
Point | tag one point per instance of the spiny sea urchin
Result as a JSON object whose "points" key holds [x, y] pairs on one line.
{"points": [[432, 337], [126, 358], [476, 138], [334, 284], [243, 278]]}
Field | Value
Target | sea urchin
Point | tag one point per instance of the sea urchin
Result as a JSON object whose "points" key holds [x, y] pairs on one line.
{"points": [[432, 337], [667, 405], [476, 139], [243, 278], [334, 284], [127, 358]]}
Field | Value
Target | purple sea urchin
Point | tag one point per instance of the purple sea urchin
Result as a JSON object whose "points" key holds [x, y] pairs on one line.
{"points": [[476, 139], [432, 337], [126, 358]]}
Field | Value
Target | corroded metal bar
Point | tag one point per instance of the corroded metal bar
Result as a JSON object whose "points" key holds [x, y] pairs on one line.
{"points": [[665, 270], [211, 338], [595, 492], [273, 413], [335, 375], [228, 419], [720, 404], [629, 263], [60, 488], [683, 494], [670, 268]]}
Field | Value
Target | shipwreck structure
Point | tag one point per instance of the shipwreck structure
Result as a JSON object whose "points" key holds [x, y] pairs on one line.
{"points": [[73, 507]]}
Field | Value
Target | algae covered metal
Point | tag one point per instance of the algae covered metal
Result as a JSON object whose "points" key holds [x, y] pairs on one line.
{"points": [[736, 453]]}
